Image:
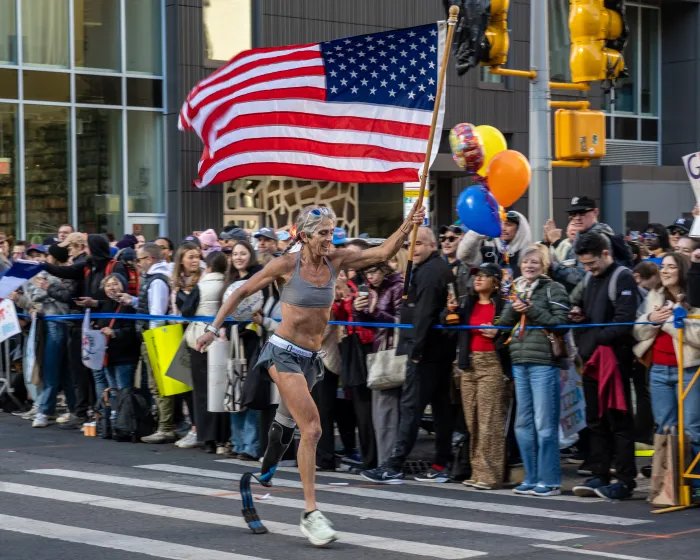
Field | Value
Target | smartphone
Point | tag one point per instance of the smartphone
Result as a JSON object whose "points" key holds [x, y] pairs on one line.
{"points": [[363, 290]]}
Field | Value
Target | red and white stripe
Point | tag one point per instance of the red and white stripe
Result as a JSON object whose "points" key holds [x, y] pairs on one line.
{"points": [[265, 113]]}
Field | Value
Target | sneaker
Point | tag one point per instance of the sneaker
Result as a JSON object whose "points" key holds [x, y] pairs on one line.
{"points": [[546, 491], [40, 421], [382, 475], [646, 471], [524, 489], [160, 437], [316, 527], [470, 482], [433, 475], [617, 491], [189, 441], [63, 418], [75, 423], [353, 459], [30, 414], [588, 488], [482, 485]]}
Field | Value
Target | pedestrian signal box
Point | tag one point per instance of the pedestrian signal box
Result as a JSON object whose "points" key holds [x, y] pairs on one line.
{"points": [[579, 135]]}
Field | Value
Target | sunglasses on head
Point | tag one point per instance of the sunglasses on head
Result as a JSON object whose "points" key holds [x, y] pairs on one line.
{"points": [[322, 211]]}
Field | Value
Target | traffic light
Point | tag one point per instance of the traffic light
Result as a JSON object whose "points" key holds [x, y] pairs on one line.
{"points": [[482, 33], [598, 35]]}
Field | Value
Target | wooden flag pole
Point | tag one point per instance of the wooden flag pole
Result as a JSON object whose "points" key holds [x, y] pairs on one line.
{"points": [[451, 22]]}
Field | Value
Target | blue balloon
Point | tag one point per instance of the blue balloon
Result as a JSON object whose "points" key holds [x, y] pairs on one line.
{"points": [[478, 210]]}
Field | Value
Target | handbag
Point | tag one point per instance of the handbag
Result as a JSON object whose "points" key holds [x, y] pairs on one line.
{"points": [[558, 344], [236, 373], [665, 475], [385, 370], [256, 389], [353, 371]]}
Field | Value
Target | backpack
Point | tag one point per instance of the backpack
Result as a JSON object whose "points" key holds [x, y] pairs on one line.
{"points": [[132, 276], [134, 418], [612, 285]]}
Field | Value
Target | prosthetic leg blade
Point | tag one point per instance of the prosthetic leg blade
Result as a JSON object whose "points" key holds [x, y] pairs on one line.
{"points": [[249, 513]]}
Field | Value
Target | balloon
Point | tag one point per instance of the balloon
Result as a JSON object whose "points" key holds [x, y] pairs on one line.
{"points": [[493, 141], [509, 177], [478, 210], [467, 148]]}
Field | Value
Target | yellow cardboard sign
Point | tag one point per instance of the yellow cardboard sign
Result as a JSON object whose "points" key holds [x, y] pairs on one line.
{"points": [[162, 344]]}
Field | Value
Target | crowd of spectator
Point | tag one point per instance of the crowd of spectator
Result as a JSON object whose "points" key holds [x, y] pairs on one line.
{"points": [[492, 391]]}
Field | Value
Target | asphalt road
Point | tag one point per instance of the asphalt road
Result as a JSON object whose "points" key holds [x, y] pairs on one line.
{"points": [[63, 495]]}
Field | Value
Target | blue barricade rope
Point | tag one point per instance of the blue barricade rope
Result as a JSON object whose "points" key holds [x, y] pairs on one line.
{"points": [[202, 319]]}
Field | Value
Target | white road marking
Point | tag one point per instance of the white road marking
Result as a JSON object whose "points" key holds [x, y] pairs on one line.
{"points": [[508, 509], [356, 539], [362, 513], [115, 541], [590, 552]]}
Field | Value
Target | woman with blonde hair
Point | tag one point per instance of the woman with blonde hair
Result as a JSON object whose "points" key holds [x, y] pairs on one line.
{"points": [[400, 262]]}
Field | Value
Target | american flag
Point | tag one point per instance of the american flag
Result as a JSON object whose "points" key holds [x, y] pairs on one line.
{"points": [[352, 110]]}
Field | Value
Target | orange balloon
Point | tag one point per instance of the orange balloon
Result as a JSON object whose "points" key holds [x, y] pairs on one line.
{"points": [[508, 177]]}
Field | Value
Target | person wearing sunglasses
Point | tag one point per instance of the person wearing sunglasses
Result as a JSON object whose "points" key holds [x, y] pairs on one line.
{"points": [[292, 355], [450, 236], [475, 248], [678, 229], [656, 240]]}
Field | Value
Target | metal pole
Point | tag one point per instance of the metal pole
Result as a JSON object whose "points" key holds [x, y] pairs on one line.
{"points": [[540, 195]]}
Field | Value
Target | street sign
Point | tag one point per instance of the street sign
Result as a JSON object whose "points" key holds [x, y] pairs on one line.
{"points": [[5, 166], [411, 191]]}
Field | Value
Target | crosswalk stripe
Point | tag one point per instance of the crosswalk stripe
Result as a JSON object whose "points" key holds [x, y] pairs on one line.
{"points": [[408, 482], [115, 541], [286, 529], [414, 498], [362, 513], [590, 552]]}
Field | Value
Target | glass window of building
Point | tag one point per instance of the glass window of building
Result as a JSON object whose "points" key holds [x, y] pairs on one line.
{"points": [[145, 162], [485, 77], [9, 193], [47, 169], [559, 41], [8, 32], [99, 172], [220, 18], [143, 36], [97, 34], [649, 62], [45, 32]]}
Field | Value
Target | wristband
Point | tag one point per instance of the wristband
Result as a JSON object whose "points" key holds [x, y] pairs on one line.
{"points": [[212, 329]]}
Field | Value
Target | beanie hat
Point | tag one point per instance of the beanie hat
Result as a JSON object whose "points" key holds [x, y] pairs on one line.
{"points": [[58, 253], [209, 237]]}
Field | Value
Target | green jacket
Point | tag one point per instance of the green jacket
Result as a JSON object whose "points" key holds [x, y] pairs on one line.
{"points": [[549, 307]]}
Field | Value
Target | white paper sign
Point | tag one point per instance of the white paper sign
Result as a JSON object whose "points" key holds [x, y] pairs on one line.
{"points": [[217, 362], [93, 347], [9, 324], [572, 418], [691, 162], [30, 359]]}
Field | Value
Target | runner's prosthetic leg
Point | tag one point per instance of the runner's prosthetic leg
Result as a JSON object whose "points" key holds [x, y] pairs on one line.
{"points": [[280, 437]]}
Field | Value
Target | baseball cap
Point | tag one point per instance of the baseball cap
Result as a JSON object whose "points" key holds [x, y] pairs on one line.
{"points": [[235, 234], [37, 248], [682, 224], [58, 253], [581, 204], [512, 216], [266, 232], [457, 230], [490, 269], [74, 238], [127, 241], [192, 239], [340, 236], [284, 235], [48, 241]]}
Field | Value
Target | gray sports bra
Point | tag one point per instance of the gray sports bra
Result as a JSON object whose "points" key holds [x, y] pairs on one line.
{"points": [[301, 293]]}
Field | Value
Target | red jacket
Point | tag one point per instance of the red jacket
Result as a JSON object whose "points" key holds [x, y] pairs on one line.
{"points": [[342, 311], [611, 391]]}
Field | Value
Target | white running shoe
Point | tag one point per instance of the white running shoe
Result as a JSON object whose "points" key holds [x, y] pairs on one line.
{"points": [[63, 418], [31, 413], [317, 529], [189, 441], [40, 421]]}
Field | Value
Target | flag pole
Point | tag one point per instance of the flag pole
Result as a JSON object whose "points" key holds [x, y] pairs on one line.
{"points": [[451, 22]]}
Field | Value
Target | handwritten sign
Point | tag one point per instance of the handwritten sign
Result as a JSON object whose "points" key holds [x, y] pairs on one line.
{"points": [[691, 162], [9, 324], [572, 418]]}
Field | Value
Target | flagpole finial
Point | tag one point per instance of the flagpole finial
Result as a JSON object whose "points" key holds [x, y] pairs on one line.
{"points": [[454, 14]]}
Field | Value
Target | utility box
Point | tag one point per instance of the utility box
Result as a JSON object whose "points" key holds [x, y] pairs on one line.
{"points": [[579, 134]]}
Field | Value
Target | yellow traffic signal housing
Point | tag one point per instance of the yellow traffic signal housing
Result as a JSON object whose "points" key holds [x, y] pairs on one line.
{"points": [[496, 34], [591, 24], [579, 135]]}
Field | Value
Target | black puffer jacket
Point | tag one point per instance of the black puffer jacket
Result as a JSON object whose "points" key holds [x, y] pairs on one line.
{"points": [[96, 265], [124, 347], [549, 307]]}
